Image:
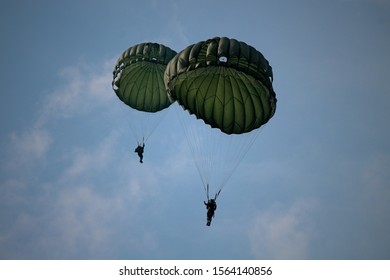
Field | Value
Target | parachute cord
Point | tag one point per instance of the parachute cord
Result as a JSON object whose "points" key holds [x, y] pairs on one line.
{"points": [[156, 124], [223, 158], [135, 135], [144, 124], [215, 158], [191, 137], [244, 150]]}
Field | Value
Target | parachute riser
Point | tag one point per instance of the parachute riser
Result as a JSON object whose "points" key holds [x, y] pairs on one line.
{"points": [[207, 190], [143, 141]]}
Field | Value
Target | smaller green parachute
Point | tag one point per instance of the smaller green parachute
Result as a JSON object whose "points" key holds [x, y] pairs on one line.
{"points": [[224, 82], [138, 77]]}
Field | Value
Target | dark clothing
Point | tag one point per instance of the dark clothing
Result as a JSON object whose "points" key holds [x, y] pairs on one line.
{"points": [[140, 150], [211, 206]]}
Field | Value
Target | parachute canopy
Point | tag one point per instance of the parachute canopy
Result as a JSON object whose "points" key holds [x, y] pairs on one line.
{"points": [[224, 82], [138, 77]]}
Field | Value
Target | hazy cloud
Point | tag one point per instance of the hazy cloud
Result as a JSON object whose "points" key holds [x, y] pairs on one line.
{"points": [[283, 233], [24, 148], [30, 144], [85, 87]]}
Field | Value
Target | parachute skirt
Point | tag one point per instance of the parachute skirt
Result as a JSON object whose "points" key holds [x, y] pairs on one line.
{"points": [[224, 98]]}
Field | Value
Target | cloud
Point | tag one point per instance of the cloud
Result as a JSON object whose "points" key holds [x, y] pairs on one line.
{"points": [[75, 222], [30, 144], [86, 87], [282, 233], [83, 220], [62, 214], [24, 149], [95, 159], [87, 195], [372, 208], [79, 212]]}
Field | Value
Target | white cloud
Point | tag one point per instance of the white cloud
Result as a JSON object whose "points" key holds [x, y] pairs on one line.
{"points": [[75, 215], [69, 213], [86, 86], [81, 220], [283, 233], [74, 222], [95, 159], [32, 143], [26, 148]]}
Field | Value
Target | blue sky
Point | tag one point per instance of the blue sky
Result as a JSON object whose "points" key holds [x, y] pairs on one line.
{"points": [[314, 185]]}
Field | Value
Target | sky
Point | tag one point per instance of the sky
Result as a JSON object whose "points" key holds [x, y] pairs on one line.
{"points": [[314, 184]]}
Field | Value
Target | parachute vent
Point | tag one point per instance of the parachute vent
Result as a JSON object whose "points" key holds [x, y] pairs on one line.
{"points": [[222, 59]]}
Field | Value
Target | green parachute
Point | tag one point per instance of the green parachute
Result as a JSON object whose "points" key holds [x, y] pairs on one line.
{"points": [[228, 85], [138, 81], [224, 82], [138, 77]]}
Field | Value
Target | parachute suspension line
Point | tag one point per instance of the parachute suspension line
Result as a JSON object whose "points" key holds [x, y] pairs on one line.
{"points": [[217, 194], [201, 146], [216, 155], [207, 190], [191, 138], [243, 149], [136, 124], [135, 135], [158, 117], [141, 143], [225, 154], [130, 123], [143, 124]]}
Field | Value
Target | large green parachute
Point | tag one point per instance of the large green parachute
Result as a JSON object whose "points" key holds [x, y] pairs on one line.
{"points": [[224, 82], [138, 77], [138, 80]]}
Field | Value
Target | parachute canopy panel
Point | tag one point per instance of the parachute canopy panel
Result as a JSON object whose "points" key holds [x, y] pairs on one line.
{"points": [[138, 77], [224, 82]]}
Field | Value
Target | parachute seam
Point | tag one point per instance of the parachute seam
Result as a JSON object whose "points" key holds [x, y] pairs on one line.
{"points": [[138, 87], [221, 102], [259, 116], [130, 85], [153, 94], [256, 114], [242, 105], [232, 99], [242, 86], [205, 97], [146, 77], [162, 91], [187, 96]]}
